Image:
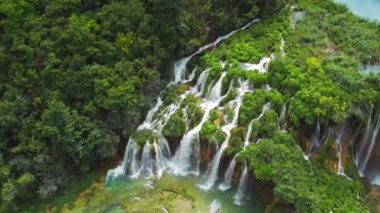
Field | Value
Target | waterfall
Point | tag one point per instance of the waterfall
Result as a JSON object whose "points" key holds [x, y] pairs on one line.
{"points": [[197, 157], [339, 144], [201, 82], [262, 66], [282, 47], [228, 176], [246, 142], [316, 139], [238, 197], [338, 141], [376, 180], [264, 109], [181, 162], [120, 169], [146, 168], [162, 151], [147, 124], [180, 66], [216, 91], [215, 206], [154, 157], [213, 171], [282, 117], [363, 143], [364, 162]]}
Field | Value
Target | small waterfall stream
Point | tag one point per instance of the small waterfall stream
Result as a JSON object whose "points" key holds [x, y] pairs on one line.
{"points": [[228, 176], [213, 171], [181, 162], [339, 143], [370, 136], [238, 197]]}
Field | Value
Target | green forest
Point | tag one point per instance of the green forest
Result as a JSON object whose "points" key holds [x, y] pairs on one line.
{"points": [[79, 79]]}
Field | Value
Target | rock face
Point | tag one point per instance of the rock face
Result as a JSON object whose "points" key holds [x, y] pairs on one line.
{"points": [[208, 151]]}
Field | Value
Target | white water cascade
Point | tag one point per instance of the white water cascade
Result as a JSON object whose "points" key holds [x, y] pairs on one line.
{"points": [[147, 124], [238, 197], [363, 161], [213, 170], [282, 47], [376, 180], [363, 143], [339, 141], [215, 206], [180, 66], [228, 176], [282, 117], [154, 157], [181, 162], [315, 140]]}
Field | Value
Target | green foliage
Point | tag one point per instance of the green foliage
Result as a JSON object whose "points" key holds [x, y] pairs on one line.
{"points": [[236, 142], [255, 77], [278, 160], [211, 133], [193, 110], [252, 105], [143, 136], [244, 52], [175, 127], [265, 126]]}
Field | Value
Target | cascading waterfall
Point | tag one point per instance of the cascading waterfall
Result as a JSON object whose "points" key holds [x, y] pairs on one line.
{"points": [[262, 66], [282, 117], [372, 140], [213, 171], [339, 144], [181, 162], [147, 124], [376, 180], [238, 197], [228, 176], [146, 168], [282, 47], [153, 158], [180, 66], [363, 143], [162, 150], [316, 141]]}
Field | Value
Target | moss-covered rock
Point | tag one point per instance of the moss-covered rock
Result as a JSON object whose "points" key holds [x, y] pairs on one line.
{"points": [[212, 133], [236, 142], [193, 110], [143, 136], [176, 126]]}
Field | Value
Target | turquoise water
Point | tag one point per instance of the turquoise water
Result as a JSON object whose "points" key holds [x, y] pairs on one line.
{"points": [[364, 8], [175, 194]]}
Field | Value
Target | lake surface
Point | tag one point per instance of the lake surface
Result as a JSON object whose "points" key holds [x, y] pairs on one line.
{"points": [[364, 8]]}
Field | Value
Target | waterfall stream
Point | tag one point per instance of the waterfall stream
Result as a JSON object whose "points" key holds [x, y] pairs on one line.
{"points": [[238, 197], [228, 176], [213, 170], [371, 138]]}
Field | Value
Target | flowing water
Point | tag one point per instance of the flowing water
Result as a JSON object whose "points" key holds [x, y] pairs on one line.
{"points": [[368, 144], [153, 158], [181, 162], [213, 171], [238, 197], [228, 176], [339, 143], [175, 194]]}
